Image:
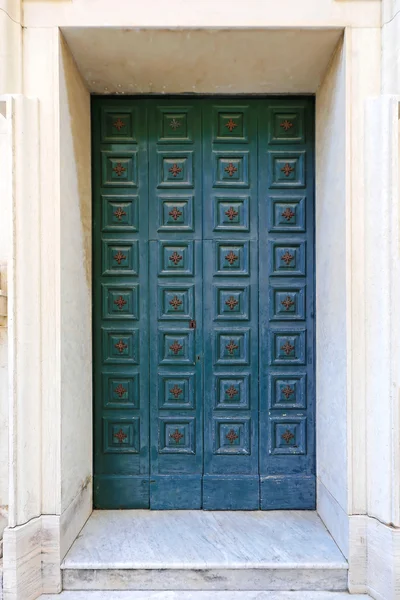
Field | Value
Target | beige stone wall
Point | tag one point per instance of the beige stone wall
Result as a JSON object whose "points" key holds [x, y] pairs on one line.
{"points": [[76, 285]]}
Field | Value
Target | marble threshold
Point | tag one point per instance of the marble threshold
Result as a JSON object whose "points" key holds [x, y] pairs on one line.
{"points": [[204, 550]]}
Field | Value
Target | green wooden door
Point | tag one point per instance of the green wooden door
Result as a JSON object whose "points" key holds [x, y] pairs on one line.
{"points": [[203, 303]]}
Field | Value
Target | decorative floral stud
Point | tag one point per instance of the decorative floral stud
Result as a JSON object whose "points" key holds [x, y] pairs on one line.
{"points": [[231, 125], [176, 436], [119, 169], [230, 169], [175, 170], [121, 436], [176, 347], [231, 436], [287, 169]]}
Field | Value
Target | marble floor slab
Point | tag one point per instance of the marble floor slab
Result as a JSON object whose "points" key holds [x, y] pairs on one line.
{"points": [[141, 539], [212, 595]]}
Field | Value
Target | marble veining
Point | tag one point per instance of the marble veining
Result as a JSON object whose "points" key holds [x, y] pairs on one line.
{"points": [[141, 539]]}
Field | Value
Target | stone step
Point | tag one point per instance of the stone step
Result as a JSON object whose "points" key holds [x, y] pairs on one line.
{"points": [[199, 550], [213, 595]]}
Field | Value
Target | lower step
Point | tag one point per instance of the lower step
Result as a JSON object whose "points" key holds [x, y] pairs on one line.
{"points": [[203, 550], [206, 579], [211, 595]]}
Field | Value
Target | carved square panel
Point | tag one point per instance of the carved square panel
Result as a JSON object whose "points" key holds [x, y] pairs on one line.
{"points": [[118, 124], [287, 213], [176, 436], [231, 169], [286, 169], [232, 436], [175, 213], [287, 435], [175, 125], [232, 258], [120, 346], [175, 302], [175, 259], [120, 390], [120, 213], [232, 303], [286, 125], [121, 435], [287, 391], [118, 169], [232, 391], [120, 257], [176, 347], [230, 124], [232, 347], [120, 301], [288, 347], [176, 169], [231, 214], [287, 302], [176, 391], [287, 258]]}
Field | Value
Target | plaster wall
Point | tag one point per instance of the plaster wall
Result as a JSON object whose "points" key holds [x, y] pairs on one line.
{"points": [[332, 308], [75, 266]]}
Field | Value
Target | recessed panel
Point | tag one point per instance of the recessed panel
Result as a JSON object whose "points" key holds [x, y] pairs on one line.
{"points": [[232, 436], [232, 392], [287, 391], [174, 125], [288, 435], [176, 169], [287, 303], [176, 391], [120, 301], [120, 257], [288, 347], [176, 436], [232, 259], [286, 214], [230, 124], [118, 169], [231, 214], [286, 169], [175, 213], [175, 259], [175, 302], [232, 347], [286, 125], [120, 213], [232, 303], [176, 347], [287, 257], [121, 435], [120, 390], [120, 346], [118, 124], [231, 169]]}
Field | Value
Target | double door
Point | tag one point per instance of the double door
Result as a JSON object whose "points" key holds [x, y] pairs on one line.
{"points": [[203, 303]]}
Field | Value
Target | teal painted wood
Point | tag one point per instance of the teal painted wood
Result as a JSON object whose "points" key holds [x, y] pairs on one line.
{"points": [[230, 221], [175, 301], [222, 234], [286, 278], [120, 299]]}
